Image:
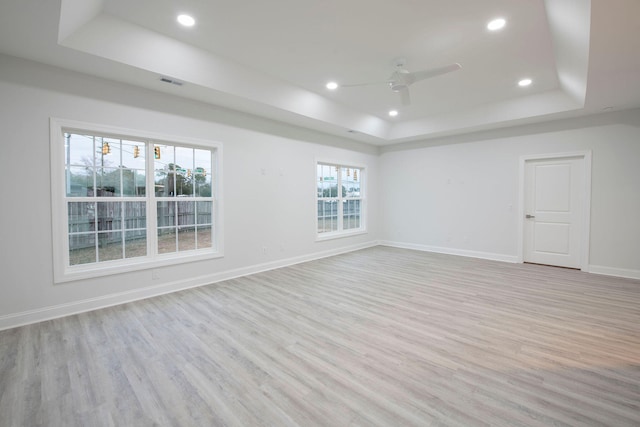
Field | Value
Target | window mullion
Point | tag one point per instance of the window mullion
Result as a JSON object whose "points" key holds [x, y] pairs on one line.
{"points": [[152, 220], [340, 202]]}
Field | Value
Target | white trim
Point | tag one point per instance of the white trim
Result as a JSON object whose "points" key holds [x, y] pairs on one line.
{"points": [[65, 273], [586, 201], [451, 251], [339, 234], [62, 310], [613, 271], [134, 264]]}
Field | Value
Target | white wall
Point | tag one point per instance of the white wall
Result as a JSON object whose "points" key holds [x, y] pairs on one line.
{"points": [[460, 195], [456, 195], [31, 93]]}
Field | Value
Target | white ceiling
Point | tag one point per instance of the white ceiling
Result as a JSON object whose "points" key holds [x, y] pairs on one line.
{"points": [[274, 58]]}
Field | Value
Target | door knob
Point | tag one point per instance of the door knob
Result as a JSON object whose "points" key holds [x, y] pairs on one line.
{"points": [[529, 216]]}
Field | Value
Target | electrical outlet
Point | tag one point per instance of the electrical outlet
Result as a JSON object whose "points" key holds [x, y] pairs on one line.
{"points": [[264, 250], [155, 275]]}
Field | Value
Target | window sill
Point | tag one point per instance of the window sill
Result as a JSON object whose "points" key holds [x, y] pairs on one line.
{"points": [[339, 234], [105, 269]]}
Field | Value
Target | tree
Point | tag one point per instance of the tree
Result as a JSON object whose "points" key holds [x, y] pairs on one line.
{"points": [[333, 191]]}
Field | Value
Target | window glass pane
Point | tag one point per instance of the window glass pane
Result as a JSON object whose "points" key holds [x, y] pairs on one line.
{"points": [[164, 183], [186, 238], [184, 158], [334, 216], [203, 160], [326, 189], [108, 182], [202, 181], [81, 216], [133, 182], [356, 187], [184, 171], [133, 155], [164, 168], [135, 244], [347, 188], [109, 245], [135, 215], [203, 212], [186, 213], [166, 240], [111, 152], [328, 216], [202, 177], [166, 214], [351, 214], [345, 172], [79, 181], [163, 156], [109, 216], [107, 152], [321, 216], [184, 182], [203, 236], [82, 248], [79, 149], [333, 190], [330, 179]]}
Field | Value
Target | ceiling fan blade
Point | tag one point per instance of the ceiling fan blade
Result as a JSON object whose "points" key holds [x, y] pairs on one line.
{"points": [[365, 84], [404, 96], [427, 74]]}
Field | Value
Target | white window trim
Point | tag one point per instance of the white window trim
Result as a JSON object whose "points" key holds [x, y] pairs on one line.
{"points": [[65, 273], [363, 201]]}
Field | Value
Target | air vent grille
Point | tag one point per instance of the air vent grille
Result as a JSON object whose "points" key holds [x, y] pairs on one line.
{"points": [[171, 81]]}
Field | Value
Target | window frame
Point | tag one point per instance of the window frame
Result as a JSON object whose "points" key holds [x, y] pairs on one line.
{"points": [[341, 232], [63, 272]]}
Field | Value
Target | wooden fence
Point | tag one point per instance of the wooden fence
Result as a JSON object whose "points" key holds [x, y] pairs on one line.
{"points": [[107, 220]]}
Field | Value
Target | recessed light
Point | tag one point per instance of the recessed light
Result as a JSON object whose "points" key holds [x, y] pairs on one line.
{"points": [[525, 82], [496, 24], [393, 113], [332, 86], [186, 20]]}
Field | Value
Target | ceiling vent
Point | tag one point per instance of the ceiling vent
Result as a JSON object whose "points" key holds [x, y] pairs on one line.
{"points": [[171, 81]]}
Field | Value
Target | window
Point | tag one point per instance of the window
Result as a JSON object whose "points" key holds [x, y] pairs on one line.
{"points": [[122, 203], [340, 200]]}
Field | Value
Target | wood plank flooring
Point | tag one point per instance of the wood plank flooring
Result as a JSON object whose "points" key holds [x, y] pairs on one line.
{"points": [[378, 337]]}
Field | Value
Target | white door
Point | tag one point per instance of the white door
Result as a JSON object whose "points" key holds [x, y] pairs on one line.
{"points": [[553, 211]]}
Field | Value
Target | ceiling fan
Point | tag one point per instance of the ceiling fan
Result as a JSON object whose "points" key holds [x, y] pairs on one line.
{"points": [[402, 78]]}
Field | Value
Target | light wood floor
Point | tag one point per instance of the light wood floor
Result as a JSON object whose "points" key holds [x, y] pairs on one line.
{"points": [[378, 337]]}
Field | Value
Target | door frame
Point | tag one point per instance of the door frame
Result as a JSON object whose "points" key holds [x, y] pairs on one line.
{"points": [[586, 201]]}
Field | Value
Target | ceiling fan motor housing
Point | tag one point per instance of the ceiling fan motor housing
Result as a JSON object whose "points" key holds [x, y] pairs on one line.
{"points": [[400, 80]]}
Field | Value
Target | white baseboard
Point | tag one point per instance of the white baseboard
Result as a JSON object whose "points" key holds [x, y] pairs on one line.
{"points": [[451, 251], [612, 271], [52, 312]]}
